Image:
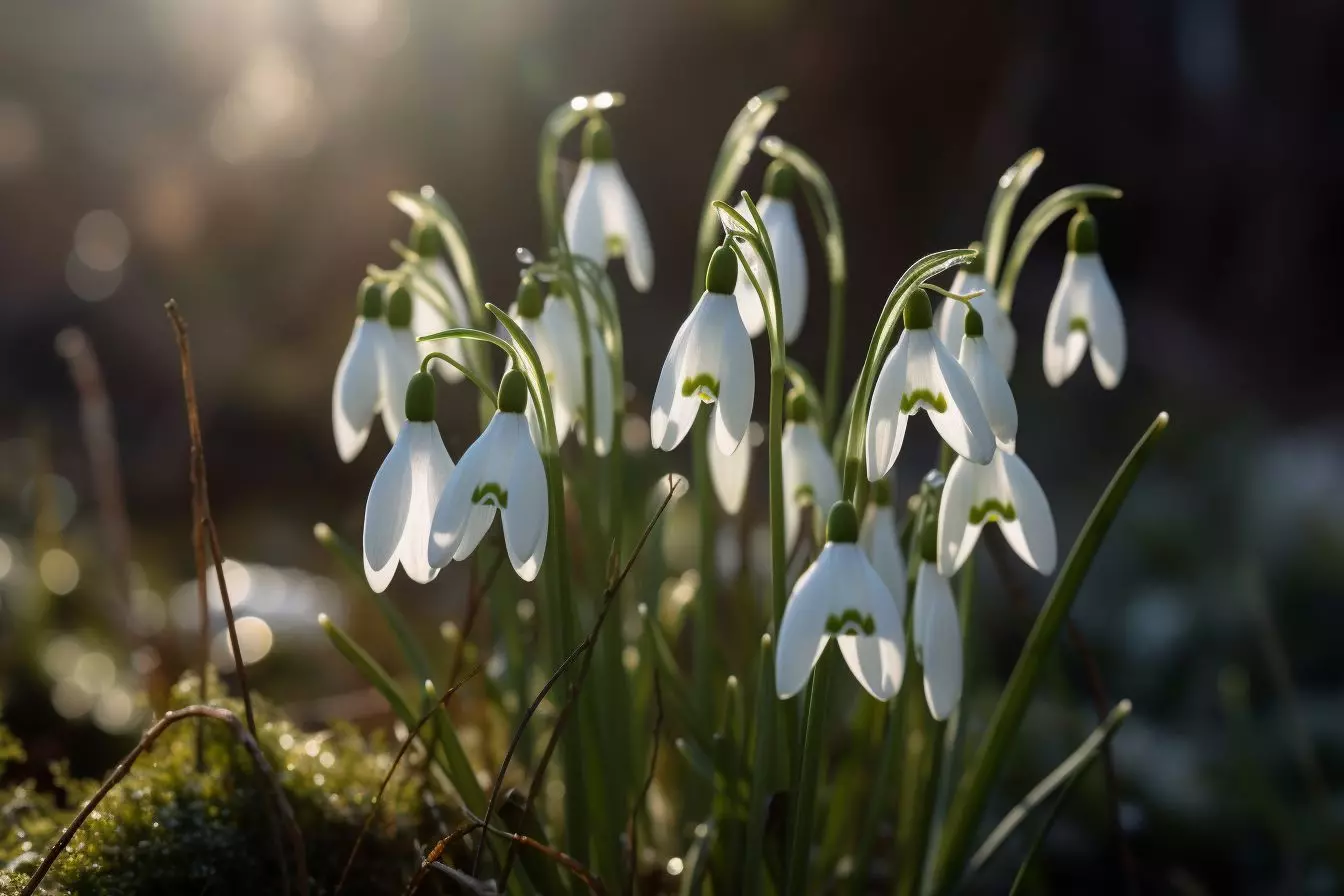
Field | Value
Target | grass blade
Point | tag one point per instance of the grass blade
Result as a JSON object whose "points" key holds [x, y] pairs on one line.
{"points": [[1000, 214], [969, 801]]}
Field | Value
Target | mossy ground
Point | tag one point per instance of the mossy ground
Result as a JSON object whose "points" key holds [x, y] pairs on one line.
{"points": [[169, 829]]}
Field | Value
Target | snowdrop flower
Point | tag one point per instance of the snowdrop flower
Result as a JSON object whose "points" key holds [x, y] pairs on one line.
{"points": [[921, 374], [998, 328], [602, 217], [937, 637], [1003, 492], [987, 378], [501, 472], [1084, 311], [550, 324], [810, 477], [401, 500], [840, 596], [730, 473], [439, 302], [781, 223], [710, 362], [881, 542], [379, 361]]}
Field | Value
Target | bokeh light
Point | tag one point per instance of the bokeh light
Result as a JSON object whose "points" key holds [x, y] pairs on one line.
{"points": [[59, 571]]}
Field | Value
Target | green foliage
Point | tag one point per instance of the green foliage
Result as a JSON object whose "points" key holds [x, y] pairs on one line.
{"points": [[168, 828]]}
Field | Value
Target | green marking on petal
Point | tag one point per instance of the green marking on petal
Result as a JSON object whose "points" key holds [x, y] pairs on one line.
{"points": [[991, 509], [491, 493], [703, 386], [850, 622], [803, 495], [1078, 324], [615, 246], [933, 402]]}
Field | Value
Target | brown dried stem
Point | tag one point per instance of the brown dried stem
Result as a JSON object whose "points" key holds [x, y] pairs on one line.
{"points": [[632, 832]]}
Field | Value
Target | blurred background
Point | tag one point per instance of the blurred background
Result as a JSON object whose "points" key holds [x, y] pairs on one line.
{"points": [[236, 155]]}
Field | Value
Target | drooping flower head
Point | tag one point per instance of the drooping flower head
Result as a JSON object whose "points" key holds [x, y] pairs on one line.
{"points": [[780, 218], [602, 217], [500, 473], [840, 596], [730, 473], [438, 300], [403, 494], [1003, 492], [377, 364], [881, 542], [811, 482], [997, 327], [1084, 312], [920, 374], [937, 631], [552, 327], [987, 378], [709, 363]]}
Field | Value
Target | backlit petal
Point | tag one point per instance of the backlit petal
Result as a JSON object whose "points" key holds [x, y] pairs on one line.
{"points": [[398, 362], [881, 542], [385, 514], [526, 517], [956, 534], [1106, 321], [1032, 535], [430, 468], [963, 425], [886, 421], [583, 216], [623, 219], [354, 398], [730, 473], [991, 388], [1065, 325], [938, 641]]}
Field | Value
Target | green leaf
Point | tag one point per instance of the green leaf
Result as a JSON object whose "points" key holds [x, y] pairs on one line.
{"points": [[762, 769], [733, 156], [1036, 223], [1000, 214], [350, 558], [427, 206], [697, 859], [968, 803], [1059, 782]]}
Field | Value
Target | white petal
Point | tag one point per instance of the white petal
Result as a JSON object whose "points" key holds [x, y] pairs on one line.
{"points": [[398, 362], [385, 514], [354, 397], [1032, 535], [672, 414], [886, 421], [430, 468], [999, 331], [1065, 343], [878, 660], [427, 316], [991, 388], [730, 473], [810, 477], [748, 300], [938, 641], [781, 222], [957, 535], [455, 516], [734, 367], [963, 425], [881, 542], [583, 216], [604, 396], [1106, 321], [802, 632], [527, 514], [623, 219], [439, 270]]}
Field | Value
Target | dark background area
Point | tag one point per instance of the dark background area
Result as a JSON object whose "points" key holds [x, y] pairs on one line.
{"points": [[246, 149]]}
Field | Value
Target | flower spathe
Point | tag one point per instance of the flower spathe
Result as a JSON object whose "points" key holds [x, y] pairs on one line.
{"points": [[1084, 312], [881, 541], [500, 473], [780, 218], [937, 640], [998, 327], [710, 362], [404, 491], [1004, 492], [602, 216], [810, 477], [920, 374], [378, 363], [840, 596]]}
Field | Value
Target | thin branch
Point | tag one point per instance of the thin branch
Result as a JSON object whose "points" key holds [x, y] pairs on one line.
{"points": [[239, 667], [575, 867], [584, 649], [441, 703], [433, 856], [632, 832], [280, 803], [1101, 701]]}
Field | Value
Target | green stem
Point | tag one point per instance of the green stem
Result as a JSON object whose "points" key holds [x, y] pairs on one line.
{"points": [[1000, 213], [814, 724], [486, 389], [1036, 223]]}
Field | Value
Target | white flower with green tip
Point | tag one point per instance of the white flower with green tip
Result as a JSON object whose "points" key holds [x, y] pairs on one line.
{"points": [[920, 374], [710, 362], [780, 218], [1003, 492], [841, 597], [881, 541], [731, 473], [1084, 312], [937, 639], [500, 473], [439, 302], [998, 328], [810, 477], [991, 386], [602, 216], [402, 497], [378, 362]]}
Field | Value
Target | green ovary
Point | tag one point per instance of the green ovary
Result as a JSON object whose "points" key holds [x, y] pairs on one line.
{"points": [[993, 509], [491, 493], [850, 622], [803, 495], [934, 402], [615, 246], [703, 386], [1078, 325]]}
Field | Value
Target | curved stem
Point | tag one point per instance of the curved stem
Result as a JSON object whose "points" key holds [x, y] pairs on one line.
{"points": [[486, 389], [1000, 213], [1037, 221]]}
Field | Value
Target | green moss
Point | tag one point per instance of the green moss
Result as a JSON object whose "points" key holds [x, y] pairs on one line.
{"points": [[168, 829]]}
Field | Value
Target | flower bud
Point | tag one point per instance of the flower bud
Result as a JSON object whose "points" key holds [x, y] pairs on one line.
{"points": [[513, 392], [842, 524], [420, 398], [721, 276], [918, 312], [370, 299], [399, 308], [975, 324], [530, 299]]}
